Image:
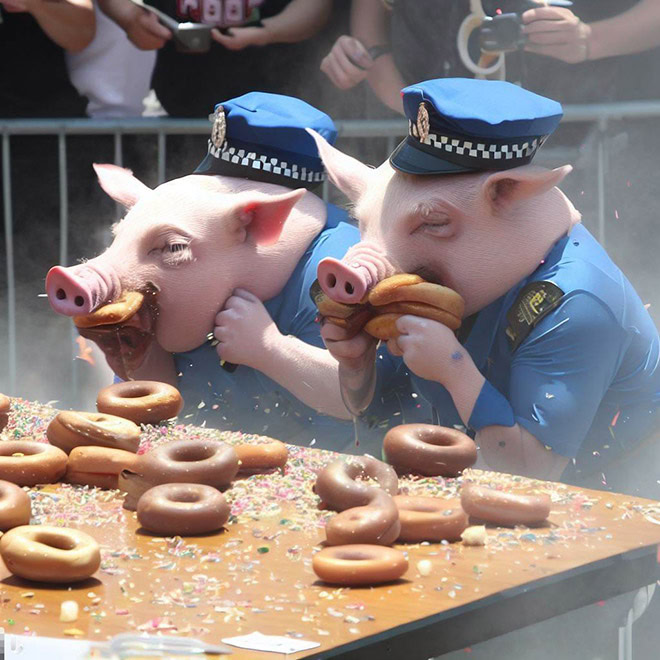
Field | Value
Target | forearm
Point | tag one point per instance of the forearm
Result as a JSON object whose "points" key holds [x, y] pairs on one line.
{"points": [[308, 372], [122, 12], [509, 449], [299, 20], [69, 23], [386, 82], [370, 24], [514, 450], [633, 31]]}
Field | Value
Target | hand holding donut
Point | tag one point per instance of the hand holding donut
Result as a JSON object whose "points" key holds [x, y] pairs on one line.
{"points": [[388, 300]]}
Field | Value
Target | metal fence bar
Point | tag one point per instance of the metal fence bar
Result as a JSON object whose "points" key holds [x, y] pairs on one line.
{"points": [[346, 127], [9, 248], [162, 156], [64, 199]]}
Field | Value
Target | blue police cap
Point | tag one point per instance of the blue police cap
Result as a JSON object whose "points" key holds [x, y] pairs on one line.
{"points": [[464, 125], [262, 136]]}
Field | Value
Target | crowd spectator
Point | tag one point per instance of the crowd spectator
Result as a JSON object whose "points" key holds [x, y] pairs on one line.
{"points": [[111, 72], [256, 45], [397, 43], [34, 36]]}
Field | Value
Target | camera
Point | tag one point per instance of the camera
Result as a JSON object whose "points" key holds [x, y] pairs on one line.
{"points": [[502, 28]]}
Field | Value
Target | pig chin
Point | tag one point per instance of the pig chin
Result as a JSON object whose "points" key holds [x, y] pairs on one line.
{"points": [[182, 332]]}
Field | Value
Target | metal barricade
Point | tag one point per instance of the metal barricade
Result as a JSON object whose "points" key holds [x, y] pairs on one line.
{"points": [[601, 114]]}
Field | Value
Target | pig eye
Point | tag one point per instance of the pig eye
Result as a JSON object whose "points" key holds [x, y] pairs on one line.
{"points": [[177, 247]]}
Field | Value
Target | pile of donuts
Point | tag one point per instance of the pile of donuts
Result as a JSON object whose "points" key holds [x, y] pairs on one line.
{"points": [[371, 518], [175, 488], [391, 298]]}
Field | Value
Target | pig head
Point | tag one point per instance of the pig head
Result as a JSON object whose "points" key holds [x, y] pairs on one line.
{"points": [[193, 240], [477, 233]]}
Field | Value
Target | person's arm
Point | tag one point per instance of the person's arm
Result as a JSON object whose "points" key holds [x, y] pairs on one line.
{"points": [[141, 26], [247, 335], [557, 32], [298, 21], [370, 24], [69, 23]]}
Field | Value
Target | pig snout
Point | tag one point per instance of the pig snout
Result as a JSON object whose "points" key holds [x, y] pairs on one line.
{"points": [[79, 290], [348, 281]]}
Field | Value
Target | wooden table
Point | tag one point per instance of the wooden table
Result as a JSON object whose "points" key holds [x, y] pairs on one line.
{"points": [[257, 574]]}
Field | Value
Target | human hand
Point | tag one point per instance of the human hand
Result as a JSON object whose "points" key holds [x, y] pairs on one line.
{"points": [[348, 63], [245, 331], [354, 354], [556, 32], [429, 349], [145, 32], [238, 38]]}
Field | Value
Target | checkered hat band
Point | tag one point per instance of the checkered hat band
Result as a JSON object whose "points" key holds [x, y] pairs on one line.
{"points": [[484, 154], [242, 157]]}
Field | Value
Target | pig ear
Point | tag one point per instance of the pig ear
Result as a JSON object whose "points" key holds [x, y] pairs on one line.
{"points": [[262, 217], [511, 186], [120, 184], [347, 173]]}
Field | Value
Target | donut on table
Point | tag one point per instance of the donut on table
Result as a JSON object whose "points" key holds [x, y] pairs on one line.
{"points": [[5, 407], [28, 463], [337, 487], [182, 509], [98, 466], [357, 565], [15, 507], [501, 508], [44, 553], [258, 458], [141, 401], [70, 429], [429, 450], [430, 519], [376, 523], [209, 462]]}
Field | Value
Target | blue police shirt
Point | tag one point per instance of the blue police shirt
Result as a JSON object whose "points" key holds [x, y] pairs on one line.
{"points": [[586, 380], [249, 401]]}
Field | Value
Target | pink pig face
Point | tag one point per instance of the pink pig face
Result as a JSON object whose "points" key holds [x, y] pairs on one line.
{"points": [[477, 233], [191, 240]]}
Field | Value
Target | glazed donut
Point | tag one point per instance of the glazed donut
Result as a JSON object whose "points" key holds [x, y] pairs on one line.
{"points": [[209, 462], [182, 509], [15, 507], [430, 519], [141, 401], [50, 554], [429, 450], [258, 458], [71, 429], [337, 487], [502, 508], [376, 523], [5, 407], [116, 312], [98, 466], [383, 326], [27, 463], [355, 565], [391, 291]]}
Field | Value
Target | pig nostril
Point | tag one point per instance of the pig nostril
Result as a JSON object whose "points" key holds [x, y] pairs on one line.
{"points": [[331, 280], [60, 294], [80, 301], [349, 288]]}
